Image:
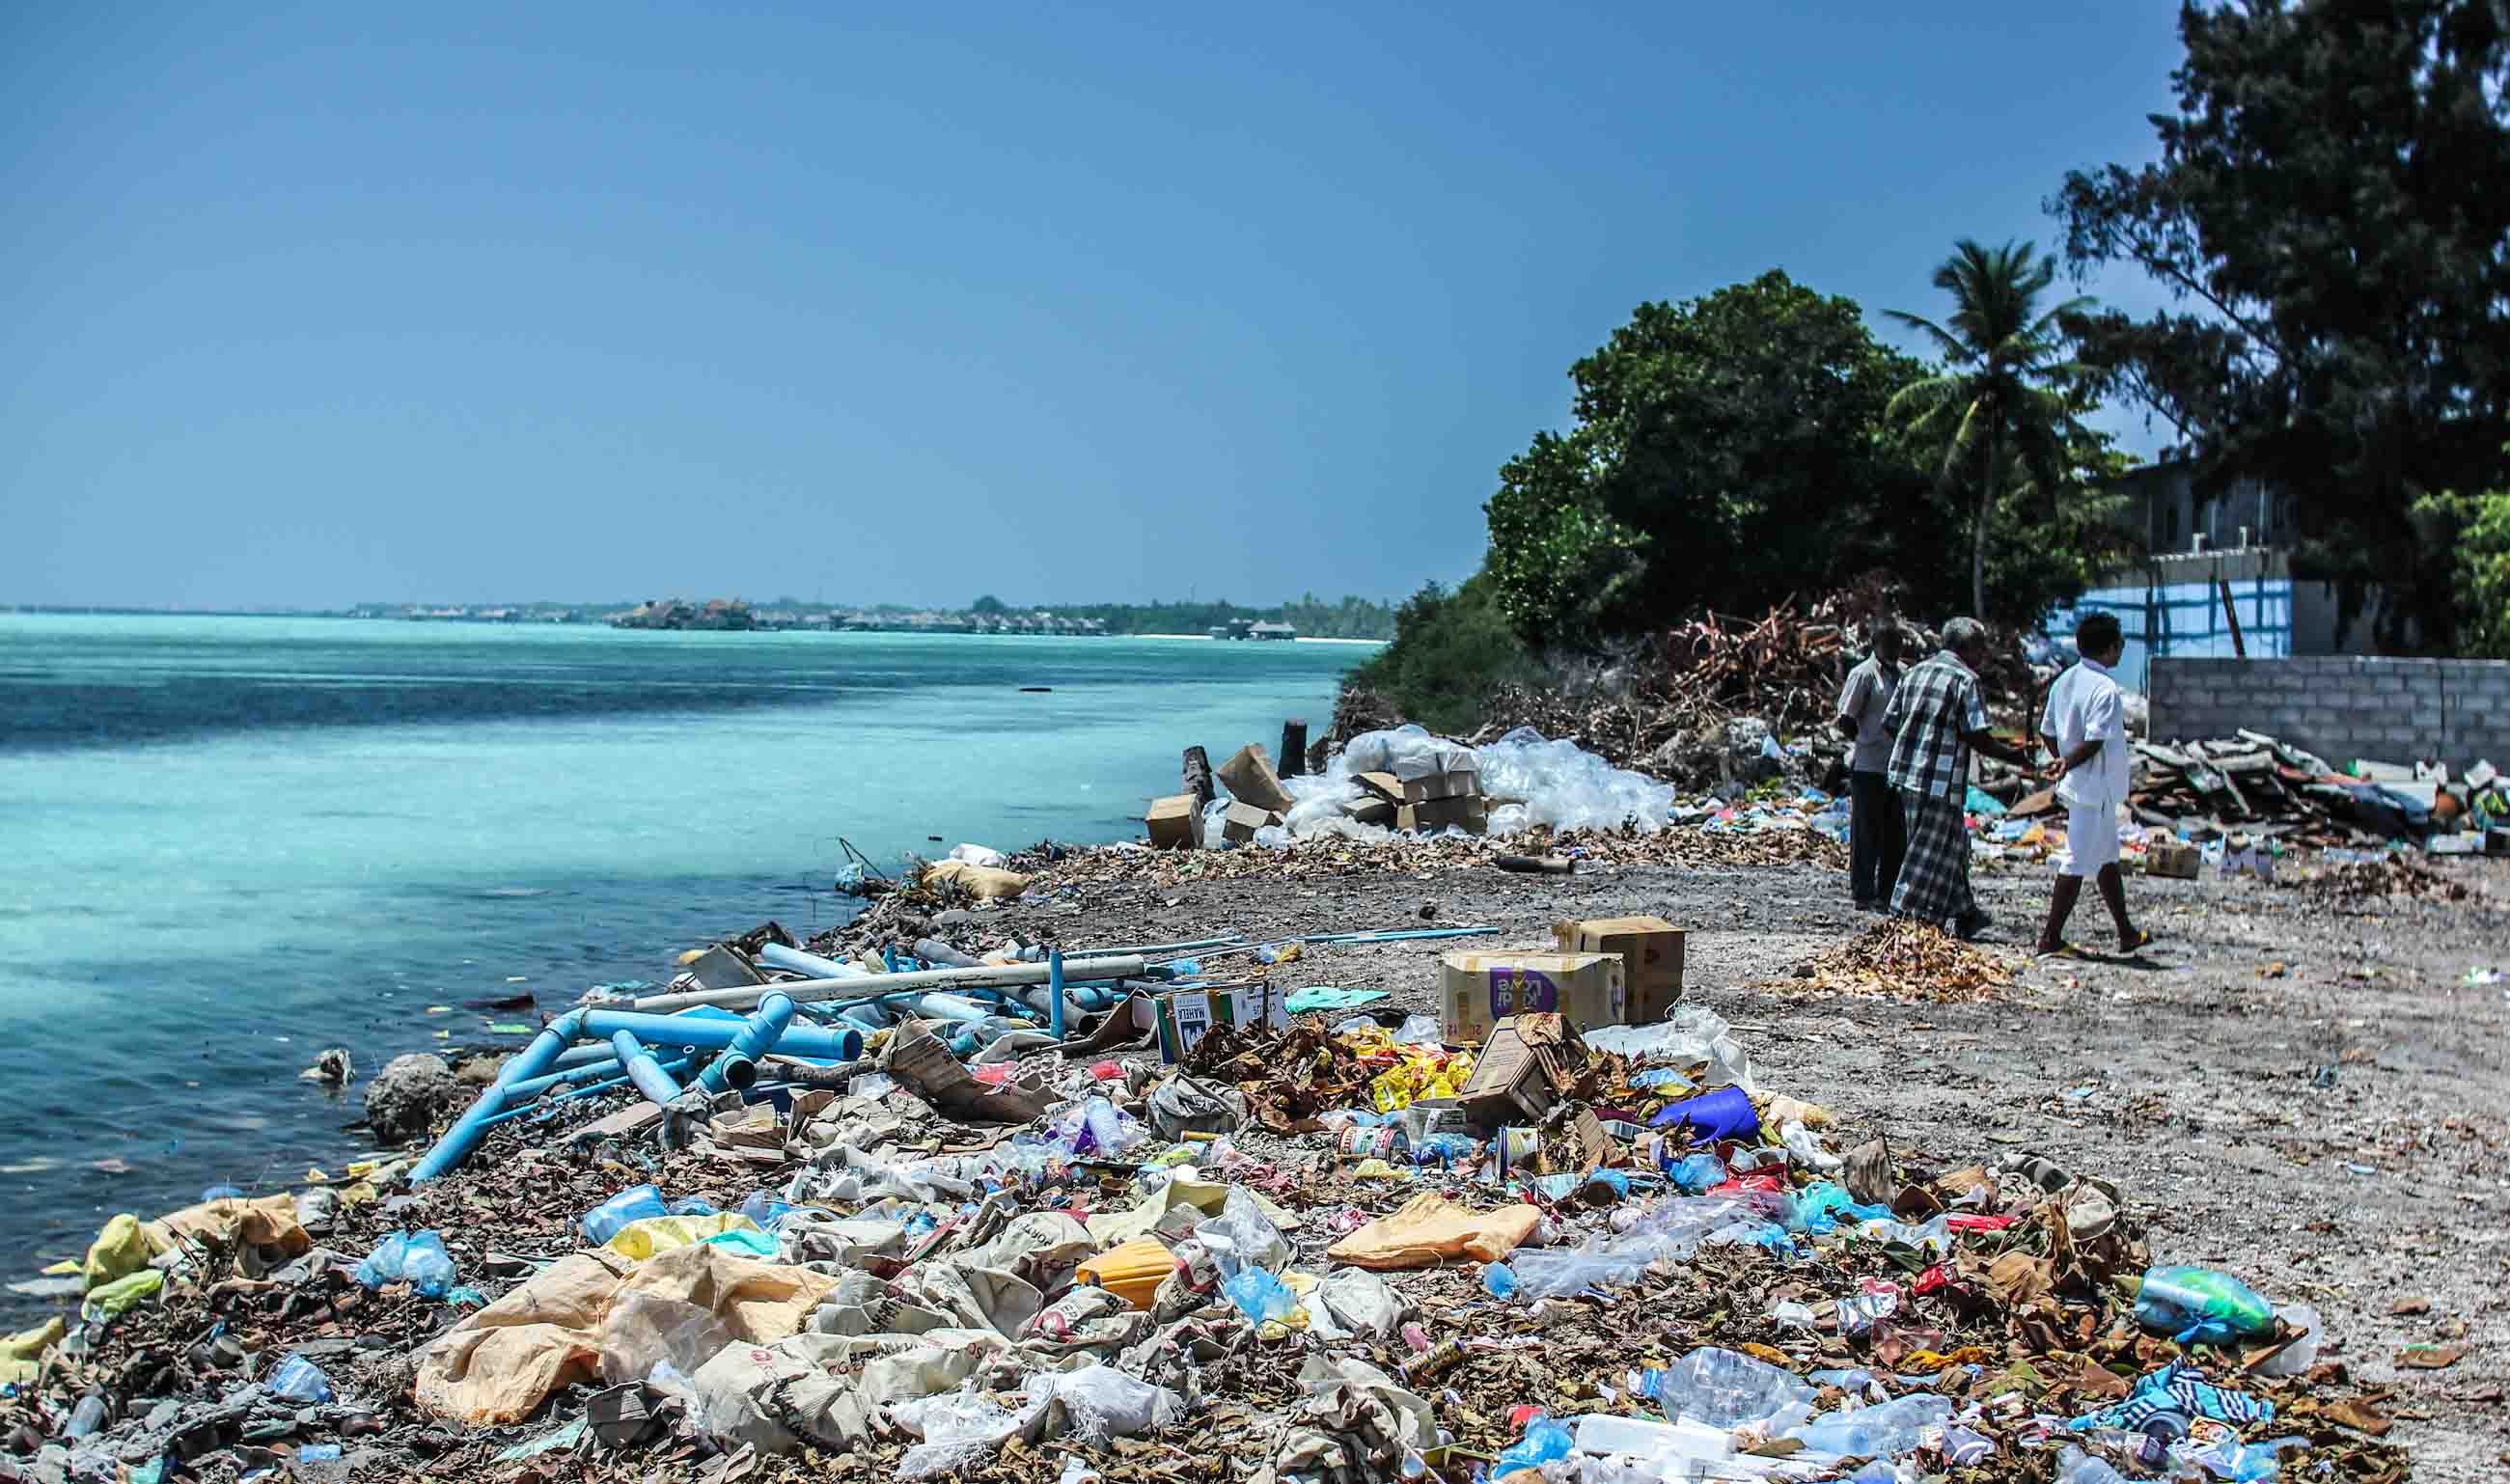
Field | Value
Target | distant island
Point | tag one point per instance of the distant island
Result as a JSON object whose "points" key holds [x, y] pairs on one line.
{"points": [[1310, 617]]}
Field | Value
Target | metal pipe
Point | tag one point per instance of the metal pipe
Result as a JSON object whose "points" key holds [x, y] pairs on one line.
{"points": [[531, 1061], [765, 1031], [710, 1033], [644, 1070], [869, 986]]}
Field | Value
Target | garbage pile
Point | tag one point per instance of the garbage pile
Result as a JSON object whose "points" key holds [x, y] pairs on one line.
{"points": [[1185, 1234], [1905, 960], [2255, 785]]}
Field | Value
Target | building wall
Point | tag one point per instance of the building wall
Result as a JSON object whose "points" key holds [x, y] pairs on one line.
{"points": [[2456, 711]]}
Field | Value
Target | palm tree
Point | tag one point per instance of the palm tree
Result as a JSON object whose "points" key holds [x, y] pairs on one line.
{"points": [[1991, 407]]}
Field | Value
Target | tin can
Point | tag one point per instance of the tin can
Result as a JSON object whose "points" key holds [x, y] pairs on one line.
{"points": [[1359, 1142]]}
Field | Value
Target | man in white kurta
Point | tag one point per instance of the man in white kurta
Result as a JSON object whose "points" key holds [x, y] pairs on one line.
{"points": [[2084, 724]]}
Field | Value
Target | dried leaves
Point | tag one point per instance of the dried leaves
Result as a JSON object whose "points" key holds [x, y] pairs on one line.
{"points": [[1904, 959]]}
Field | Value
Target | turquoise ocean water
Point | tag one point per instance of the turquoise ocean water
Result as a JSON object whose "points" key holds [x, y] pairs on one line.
{"points": [[231, 842]]}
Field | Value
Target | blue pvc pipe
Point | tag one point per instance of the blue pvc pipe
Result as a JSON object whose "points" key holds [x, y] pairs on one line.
{"points": [[532, 1061], [778, 955], [769, 1026], [644, 1069], [711, 1033], [548, 1105], [1054, 994]]}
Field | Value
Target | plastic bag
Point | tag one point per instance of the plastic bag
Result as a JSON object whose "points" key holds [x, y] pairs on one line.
{"points": [[299, 1380], [1260, 1296], [643, 1330], [1241, 1236], [637, 1202], [1544, 1441], [416, 1258]]}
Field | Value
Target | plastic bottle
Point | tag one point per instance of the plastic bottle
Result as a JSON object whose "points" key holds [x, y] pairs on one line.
{"points": [[1544, 1441], [634, 1204], [2075, 1466], [2201, 1306], [299, 1380], [1725, 1388], [2302, 1354], [1886, 1431], [87, 1416]]}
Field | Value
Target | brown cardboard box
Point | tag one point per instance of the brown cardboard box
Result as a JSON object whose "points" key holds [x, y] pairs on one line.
{"points": [[1453, 784], [1384, 786], [1478, 990], [1368, 810], [1521, 1074], [1173, 822], [1467, 813], [1251, 780], [1242, 821], [1651, 950], [2178, 860]]}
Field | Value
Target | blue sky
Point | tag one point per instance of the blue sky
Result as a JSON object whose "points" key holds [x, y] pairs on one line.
{"points": [[310, 306]]}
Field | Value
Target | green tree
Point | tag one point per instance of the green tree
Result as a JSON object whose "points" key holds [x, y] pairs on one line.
{"points": [[2328, 208], [1450, 650], [1993, 408], [988, 606], [1729, 450], [2470, 535]]}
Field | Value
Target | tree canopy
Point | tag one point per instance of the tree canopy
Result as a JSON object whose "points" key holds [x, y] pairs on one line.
{"points": [[2328, 208]]}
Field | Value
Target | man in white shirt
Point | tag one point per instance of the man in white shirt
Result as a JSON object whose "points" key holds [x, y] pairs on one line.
{"points": [[2084, 724]]}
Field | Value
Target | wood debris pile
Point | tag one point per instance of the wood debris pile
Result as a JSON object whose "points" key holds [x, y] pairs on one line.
{"points": [[2388, 876], [1338, 856]]}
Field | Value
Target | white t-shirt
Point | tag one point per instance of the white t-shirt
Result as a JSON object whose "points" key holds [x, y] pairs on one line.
{"points": [[2085, 701]]}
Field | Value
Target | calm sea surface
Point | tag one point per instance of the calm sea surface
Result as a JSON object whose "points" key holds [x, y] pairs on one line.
{"points": [[231, 842]]}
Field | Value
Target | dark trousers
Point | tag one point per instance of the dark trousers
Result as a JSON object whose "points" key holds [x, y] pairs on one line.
{"points": [[1876, 837]]}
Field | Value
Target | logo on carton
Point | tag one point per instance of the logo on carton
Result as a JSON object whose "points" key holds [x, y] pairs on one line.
{"points": [[1522, 991]]}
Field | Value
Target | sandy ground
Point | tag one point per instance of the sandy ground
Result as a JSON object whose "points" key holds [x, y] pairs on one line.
{"points": [[2191, 1077]]}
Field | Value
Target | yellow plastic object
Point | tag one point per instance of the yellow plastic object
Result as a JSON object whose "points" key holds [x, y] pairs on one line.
{"points": [[1373, 1170], [123, 1294], [1132, 1271], [640, 1240], [21, 1354], [121, 1249]]}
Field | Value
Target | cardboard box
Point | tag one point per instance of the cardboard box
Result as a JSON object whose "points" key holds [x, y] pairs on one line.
{"points": [[2176, 861], [1384, 786], [1242, 821], [1455, 783], [1476, 991], [1173, 822], [1651, 950], [1521, 1074], [1467, 813], [1186, 1016], [1369, 810], [1249, 778]]}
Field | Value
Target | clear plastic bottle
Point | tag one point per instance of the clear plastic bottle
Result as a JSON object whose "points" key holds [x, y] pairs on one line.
{"points": [[2075, 1466], [1884, 1430], [1725, 1388]]}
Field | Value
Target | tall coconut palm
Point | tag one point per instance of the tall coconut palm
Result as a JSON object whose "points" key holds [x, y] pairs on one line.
{"points": [[1992, 407]]}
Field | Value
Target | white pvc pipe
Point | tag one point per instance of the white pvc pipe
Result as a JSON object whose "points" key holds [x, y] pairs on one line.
{"points": [[869, 986]]}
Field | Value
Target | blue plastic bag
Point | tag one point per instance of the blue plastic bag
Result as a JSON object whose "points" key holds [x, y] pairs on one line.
{"points": [[1544, 1441], [634, 1204], [299, 1380], [1712, 1116], [1259, 1295]]}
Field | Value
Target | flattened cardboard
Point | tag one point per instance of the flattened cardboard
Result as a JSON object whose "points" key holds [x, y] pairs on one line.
{"points": [[1467, 813], [1384, 786], [1368, 810], [1478, 990]]}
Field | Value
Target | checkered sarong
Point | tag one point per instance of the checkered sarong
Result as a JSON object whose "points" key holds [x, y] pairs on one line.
{"points": [[1935, 875], [2176, 1387]]}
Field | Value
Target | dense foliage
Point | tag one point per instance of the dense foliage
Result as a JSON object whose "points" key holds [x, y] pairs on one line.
{"points": [[2472, 534], [1449, 650], [1352, 618], [2327, 207]]}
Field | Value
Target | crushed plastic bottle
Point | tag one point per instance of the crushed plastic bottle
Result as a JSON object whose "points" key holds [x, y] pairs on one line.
{"points": [[2201, 1306], [1727, 1388], [299, 1380], [634, 1204], [1886, 1431], [2302, 1354]]}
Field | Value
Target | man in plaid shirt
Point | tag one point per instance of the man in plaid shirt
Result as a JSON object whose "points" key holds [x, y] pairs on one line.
{"points": [[1937, 718]]}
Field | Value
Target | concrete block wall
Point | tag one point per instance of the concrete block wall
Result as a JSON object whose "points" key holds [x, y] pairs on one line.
{"points": [[2341, 706]]}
